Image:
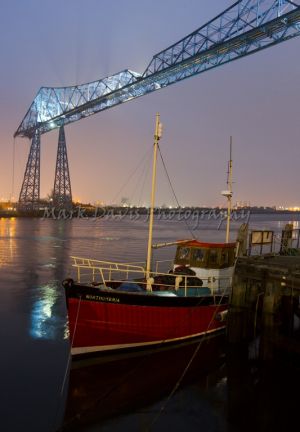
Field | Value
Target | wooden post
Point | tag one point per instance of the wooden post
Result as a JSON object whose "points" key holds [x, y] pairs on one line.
{"points": [[237, 310], [270, 324], [265, 296], [242, 239], [286, 239]]}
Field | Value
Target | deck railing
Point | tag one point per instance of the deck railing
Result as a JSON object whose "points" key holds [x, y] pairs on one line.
{"points": [[103, 267], [105, 273], [160, 262]]}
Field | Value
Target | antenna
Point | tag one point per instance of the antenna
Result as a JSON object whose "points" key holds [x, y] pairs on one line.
{"points": [[228, 193]]}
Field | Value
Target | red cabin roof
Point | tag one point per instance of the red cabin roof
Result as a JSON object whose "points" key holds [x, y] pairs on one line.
{"points": [[196, 243]]}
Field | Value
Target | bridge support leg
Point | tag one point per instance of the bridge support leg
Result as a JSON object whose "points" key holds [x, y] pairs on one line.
{"points": [[62, 194], [30, 191]]}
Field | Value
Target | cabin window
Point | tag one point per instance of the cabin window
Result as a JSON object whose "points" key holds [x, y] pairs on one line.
{"points": [[224, 257], [198, 256], [213, 257], [184, 254], [231, 257]]}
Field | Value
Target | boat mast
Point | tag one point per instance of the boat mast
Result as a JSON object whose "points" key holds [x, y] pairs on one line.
{"points": [[228, 192], [157, 136], [229, 196]]}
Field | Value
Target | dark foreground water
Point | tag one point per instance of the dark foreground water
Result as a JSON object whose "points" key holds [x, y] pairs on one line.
{"points": [[34, 259]]}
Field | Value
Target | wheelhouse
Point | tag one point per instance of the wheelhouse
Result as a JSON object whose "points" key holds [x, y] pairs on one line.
{"points": [[205, 255]]}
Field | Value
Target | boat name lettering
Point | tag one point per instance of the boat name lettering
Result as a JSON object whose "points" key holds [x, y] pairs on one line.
{"points": [[102, 298]]}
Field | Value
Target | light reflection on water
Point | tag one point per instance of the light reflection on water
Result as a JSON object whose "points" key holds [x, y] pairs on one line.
{"points": [[281, 223], [295, 224], [45, 324], [8, 243], [34, 259]]}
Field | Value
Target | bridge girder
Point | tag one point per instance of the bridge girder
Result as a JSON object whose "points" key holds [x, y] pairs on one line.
{"points": [[62, 192], [244, 28]]}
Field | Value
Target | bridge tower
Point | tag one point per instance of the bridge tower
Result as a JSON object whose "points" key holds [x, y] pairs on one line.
{"points": [[30, 191], [62, 194]]}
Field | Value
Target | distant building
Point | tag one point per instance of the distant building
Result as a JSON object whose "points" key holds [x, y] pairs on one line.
{"points": [[125, 202], [242, 204]]}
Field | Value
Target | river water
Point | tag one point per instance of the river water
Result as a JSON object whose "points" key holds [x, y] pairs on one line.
{"points": [[34, 259]]}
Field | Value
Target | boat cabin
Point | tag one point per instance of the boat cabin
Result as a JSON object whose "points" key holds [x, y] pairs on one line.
{"points": [[213, 263], [205, 255]]}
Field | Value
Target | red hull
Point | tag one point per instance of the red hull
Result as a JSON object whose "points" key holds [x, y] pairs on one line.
{"points": [[109, 323], [116, 384]]}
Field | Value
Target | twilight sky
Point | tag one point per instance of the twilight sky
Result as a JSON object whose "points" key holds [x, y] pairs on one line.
{"points": [[67, 42]]}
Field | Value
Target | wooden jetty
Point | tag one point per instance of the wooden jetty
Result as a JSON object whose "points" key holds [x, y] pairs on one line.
{"points": [[265, 299]]}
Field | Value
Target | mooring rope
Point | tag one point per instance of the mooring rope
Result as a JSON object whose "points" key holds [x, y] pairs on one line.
{"points": [[126, 376], [72, 341], [179, 381], [68, 363]]}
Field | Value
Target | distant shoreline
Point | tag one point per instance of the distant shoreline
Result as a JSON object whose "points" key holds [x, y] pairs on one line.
{"points": [[90, 212]]}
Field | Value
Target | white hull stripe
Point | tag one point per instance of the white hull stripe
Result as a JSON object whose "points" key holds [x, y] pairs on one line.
{"points": [[83, 350]]}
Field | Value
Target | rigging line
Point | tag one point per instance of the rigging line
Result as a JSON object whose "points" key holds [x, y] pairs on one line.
{"points": [[139, 178], [146, 172], [13, 170], [131, 175], [179, 381], [173, 191]]}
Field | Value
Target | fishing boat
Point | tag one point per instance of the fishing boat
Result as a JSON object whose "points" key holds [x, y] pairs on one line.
{"points": [[121, 307]]}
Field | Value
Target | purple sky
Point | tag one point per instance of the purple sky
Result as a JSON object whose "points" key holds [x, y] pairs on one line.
{"points": [[255, 99]]}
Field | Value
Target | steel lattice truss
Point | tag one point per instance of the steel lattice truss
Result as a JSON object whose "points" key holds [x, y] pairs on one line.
{"points": [[62, 194], [30, 190], [244, 28]]}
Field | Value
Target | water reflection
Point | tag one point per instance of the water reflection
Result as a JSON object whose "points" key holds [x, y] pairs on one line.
{"points": [[33, 319], [8, 245], [48, 320], [295, 224], [45, 323], [282, 223]]}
